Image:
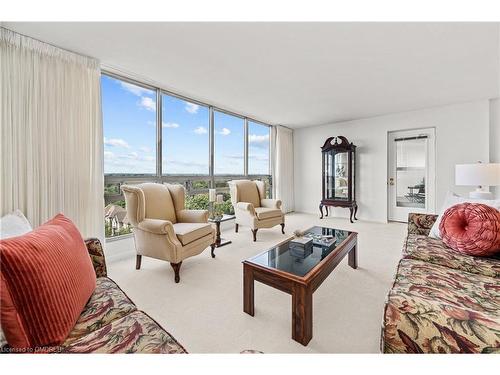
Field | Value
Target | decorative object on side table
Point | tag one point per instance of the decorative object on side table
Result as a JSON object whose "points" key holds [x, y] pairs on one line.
{"points": [[339, 175], [211, 203], [480, 175], [217, 220]]}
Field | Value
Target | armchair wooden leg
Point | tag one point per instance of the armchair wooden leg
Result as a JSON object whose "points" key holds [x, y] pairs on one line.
{"points": [[138, 259], [254, 231], [236, 227], [212, 250], [176, 267], [283, 228]]}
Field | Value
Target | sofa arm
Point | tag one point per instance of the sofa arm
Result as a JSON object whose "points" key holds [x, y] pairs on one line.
{"points": [[192, 216], [244, 206], [270, 203], [96, 253], [420, 223]]}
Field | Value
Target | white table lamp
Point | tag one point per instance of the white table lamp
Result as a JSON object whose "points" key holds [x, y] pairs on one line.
{"points": [[480, 175]]}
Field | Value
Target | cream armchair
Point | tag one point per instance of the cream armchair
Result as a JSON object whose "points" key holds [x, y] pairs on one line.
{"points": [[162, 228], [252, 209]]}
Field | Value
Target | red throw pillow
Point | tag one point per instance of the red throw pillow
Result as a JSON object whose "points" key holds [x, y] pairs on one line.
{"points": [[46, 279], [472, 229]]}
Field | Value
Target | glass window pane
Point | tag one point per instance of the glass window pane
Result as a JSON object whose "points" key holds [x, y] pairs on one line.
{"points": [[410, 172], [229, 144], [115, 216], [129, 126], [258, 148], [185, 138]]}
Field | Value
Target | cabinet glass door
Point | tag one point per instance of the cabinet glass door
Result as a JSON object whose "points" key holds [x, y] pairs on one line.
{"points": [[329, 176], [341, 173]]}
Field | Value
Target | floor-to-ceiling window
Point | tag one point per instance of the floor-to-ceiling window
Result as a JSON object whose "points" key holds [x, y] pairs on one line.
{"points": [[154, 135], [229, 135]]}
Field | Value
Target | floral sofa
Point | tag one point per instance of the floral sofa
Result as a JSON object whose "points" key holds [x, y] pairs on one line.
{"points": [[111, 323], [441, 301]]}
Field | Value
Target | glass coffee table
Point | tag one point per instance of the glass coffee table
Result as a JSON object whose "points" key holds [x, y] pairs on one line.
{"points": [[299, 274]]}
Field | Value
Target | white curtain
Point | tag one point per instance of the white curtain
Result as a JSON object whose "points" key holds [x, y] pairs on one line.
{"points": [[51, 134], [282, 141]]}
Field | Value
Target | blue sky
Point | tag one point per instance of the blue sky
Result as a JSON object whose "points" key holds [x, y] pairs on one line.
{"points": [[129, 117]]}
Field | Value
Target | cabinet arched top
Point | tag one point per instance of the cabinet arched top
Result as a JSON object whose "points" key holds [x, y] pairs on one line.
{"points": [[338, 143]]}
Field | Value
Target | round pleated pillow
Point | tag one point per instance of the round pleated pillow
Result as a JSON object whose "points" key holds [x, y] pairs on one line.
{"points": [[472, 229]]}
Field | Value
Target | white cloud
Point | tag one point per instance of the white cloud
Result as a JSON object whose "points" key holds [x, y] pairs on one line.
{"points": [[136, 90], [148, 103], [200, 130], [254, 138], [192, 108], [116, 142], [225, 131], [108, 155], [145, 149], [260, 141], [132, 155], [170, 125]]}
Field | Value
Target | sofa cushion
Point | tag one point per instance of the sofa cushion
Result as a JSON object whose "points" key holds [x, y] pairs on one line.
{"points": [[134, 333], [267, 213], [452, 199], [472, 229], [47, 278], [189, 232], [107, 303], [14, 224], [434, 309], [435, 251]]}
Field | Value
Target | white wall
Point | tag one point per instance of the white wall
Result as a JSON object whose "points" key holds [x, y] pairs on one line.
{"points": [[462, 136], [495, 136]]}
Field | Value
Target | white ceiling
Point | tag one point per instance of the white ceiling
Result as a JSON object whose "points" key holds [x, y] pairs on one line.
{"points": [[297, 74]]}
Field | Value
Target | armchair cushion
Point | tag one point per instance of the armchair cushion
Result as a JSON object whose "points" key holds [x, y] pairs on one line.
{"points": [[155, 226], [190, 232], [267, 213], [192, 216]]}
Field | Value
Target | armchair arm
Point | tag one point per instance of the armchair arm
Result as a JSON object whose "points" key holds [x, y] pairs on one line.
{"points": [[192, 216], [244, 206], [96, 253], [420, 223], [156, 226], [270, 203]]}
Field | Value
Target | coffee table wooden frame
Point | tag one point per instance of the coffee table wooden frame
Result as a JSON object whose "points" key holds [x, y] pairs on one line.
{"points": [[300, 287]]}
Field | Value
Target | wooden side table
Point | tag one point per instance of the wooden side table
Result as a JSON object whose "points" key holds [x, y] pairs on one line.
{"points": [[218, 240]]}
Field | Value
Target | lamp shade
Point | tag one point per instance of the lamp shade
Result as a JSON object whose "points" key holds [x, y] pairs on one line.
{"points": [[478, 174]]}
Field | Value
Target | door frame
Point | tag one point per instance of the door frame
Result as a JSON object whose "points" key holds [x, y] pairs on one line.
{"points": [[430, 177]]}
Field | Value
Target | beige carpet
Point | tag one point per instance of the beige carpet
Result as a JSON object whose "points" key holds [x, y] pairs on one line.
{"points": [[204, 311]]}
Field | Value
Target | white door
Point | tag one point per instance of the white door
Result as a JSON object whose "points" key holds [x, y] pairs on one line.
{"points": [[411, 173]]}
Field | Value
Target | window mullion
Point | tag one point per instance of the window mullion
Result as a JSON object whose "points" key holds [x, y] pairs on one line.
{"points": [[245, 148], [159, 117], [211, 152]]}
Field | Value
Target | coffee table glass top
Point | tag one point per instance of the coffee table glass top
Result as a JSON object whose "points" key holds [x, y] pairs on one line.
{"points": [[281, 257], [222, 218]]}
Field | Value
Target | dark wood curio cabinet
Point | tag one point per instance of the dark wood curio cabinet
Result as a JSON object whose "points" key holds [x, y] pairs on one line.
{"points": [[339, 175]]}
